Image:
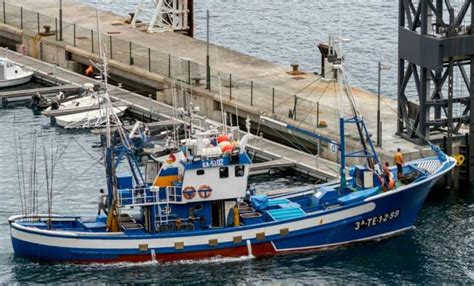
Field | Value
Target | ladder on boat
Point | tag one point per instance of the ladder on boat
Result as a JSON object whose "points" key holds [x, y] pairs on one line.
{"points": [[164, 209]]}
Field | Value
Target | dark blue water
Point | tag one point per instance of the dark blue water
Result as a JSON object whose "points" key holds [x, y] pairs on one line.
{"points": [[439, 250]]}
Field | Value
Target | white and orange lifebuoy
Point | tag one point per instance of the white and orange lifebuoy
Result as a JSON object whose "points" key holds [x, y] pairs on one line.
{"points": [[189, 192], [204, 191]]}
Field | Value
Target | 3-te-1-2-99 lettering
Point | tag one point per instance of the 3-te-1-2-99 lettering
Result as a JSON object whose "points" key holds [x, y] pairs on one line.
{"points": [[376, 220]]}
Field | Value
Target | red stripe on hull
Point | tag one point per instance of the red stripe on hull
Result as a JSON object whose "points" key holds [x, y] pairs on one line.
{"points": [[258, 250]]}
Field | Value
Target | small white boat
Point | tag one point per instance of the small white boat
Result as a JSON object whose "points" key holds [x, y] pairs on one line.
{"points": [[88, 119], [12, 74], [88, 100]]}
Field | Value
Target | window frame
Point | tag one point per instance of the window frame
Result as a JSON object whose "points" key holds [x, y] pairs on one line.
{"points": [[226, 168], [239, 168]]}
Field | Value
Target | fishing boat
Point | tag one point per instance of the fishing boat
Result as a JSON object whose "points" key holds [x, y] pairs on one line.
{"points": [[12, 74], [198, 206]]}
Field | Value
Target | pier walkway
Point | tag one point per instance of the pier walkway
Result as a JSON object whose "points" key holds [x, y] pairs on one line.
{"points": [[286, 157]]}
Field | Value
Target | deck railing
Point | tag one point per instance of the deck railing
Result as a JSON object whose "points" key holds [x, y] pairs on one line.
{"points": [[149, 196]]}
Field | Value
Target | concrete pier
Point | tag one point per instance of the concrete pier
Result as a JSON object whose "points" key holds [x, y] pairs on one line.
{"points": [[314, 166], [162, 63]]}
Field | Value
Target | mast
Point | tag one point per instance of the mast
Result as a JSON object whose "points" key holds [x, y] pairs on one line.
{"points": [[109, 166], [342, 143], [343, 86]]}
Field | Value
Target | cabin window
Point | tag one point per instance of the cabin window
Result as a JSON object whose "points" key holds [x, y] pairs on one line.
{"points": [[223, 172], [239, 171], [200, 172]]}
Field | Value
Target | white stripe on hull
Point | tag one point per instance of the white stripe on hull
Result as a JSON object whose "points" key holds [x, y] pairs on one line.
{"points": [[79, 240]]}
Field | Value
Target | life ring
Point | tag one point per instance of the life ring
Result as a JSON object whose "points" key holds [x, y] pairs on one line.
{"points": [[189, 192], [204, 191]]}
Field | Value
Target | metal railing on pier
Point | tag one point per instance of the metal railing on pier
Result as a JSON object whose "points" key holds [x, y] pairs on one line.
{"points": [[247, 91]]}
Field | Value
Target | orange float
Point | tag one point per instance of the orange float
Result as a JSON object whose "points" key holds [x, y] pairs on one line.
{"points": [[222, 138]]}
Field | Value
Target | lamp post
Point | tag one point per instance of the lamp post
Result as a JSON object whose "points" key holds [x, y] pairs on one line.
{"points": [[60, 20], [208, 64], [379, 127]]}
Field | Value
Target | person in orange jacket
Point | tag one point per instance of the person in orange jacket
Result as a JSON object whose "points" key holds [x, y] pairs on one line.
{"points": [[89, 71], [398, 158]]}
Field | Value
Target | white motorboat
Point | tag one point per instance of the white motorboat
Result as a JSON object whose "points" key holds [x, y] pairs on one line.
{"points": [[12, 74], [88, 100], [88, 119]]}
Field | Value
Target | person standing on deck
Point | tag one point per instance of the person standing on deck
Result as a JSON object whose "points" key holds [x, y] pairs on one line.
{"points": [[102, 202], [398, 158], [386, 176]]}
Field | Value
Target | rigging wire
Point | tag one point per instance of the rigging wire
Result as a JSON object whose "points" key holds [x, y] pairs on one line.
{"points": [[20, 189], [314, 104], [407, 123]]}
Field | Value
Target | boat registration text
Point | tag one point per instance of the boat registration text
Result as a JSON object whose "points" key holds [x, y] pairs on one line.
{"points": [[376, 220], [213, 163]]}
